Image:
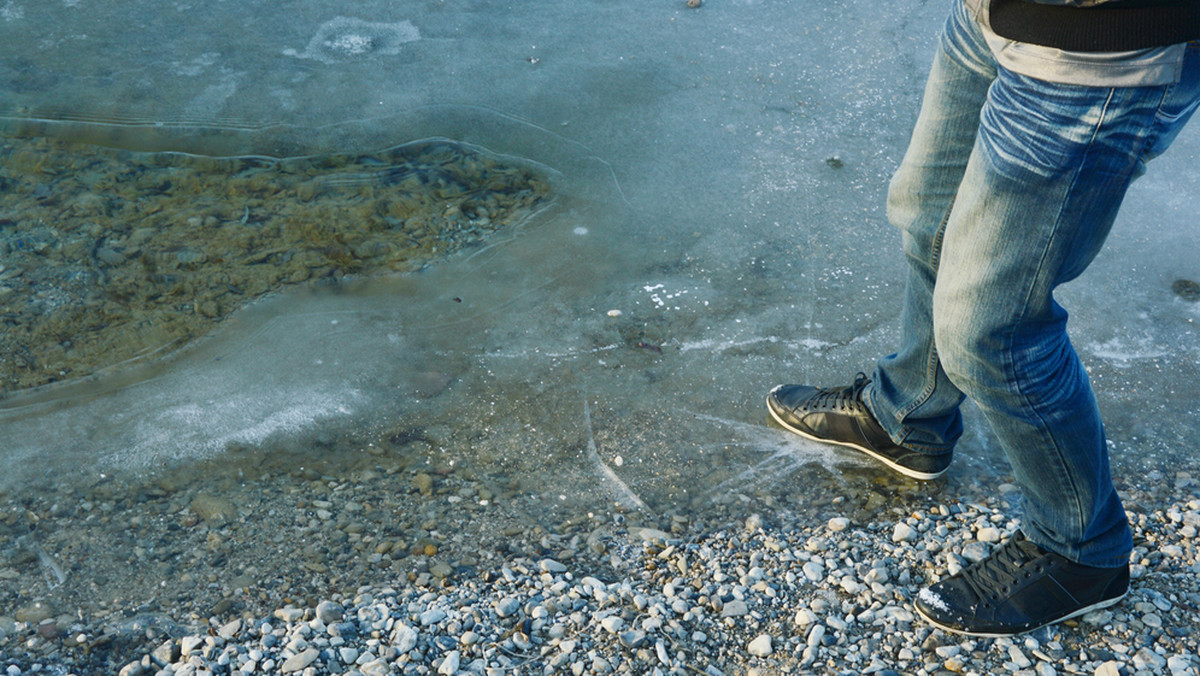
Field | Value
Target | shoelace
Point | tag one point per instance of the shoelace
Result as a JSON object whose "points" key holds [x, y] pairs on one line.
{"points": [[840, 399], [994, 577]]}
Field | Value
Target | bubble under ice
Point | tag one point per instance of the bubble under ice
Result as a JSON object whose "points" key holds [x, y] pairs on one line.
{"points": [[347, 39]]}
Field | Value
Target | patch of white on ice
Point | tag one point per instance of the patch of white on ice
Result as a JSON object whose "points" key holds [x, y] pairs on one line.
{"points": [[345, 39], [711, 345], [1117, 349], [663, 299], [11, 11]]}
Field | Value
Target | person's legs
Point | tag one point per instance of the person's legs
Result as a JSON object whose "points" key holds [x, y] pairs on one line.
{"points": [[1009, 189], [907, 415], [910, 395], [1048, 174]]}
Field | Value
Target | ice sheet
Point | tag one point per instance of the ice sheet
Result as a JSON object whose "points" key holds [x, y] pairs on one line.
{"points": [[723, 172]]}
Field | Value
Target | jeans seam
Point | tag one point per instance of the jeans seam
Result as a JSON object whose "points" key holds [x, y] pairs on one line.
{"points": [[931, 362], [1063, 477]]}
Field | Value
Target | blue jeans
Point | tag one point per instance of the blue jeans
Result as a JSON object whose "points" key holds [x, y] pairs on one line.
{"points": [[1008, 189]]}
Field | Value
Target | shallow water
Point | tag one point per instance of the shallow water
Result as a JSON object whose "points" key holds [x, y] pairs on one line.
{"points": [[717, 227], [111, 256]]}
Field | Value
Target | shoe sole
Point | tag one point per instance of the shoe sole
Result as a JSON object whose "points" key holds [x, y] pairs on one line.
{"points": [[894, 466], [980, 634]]}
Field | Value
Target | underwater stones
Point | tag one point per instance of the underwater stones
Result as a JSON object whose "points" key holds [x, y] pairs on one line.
{"points": [[34, 613], [1187, 290], [423, 483], [213, 509], [346, 39], [156, 249]]}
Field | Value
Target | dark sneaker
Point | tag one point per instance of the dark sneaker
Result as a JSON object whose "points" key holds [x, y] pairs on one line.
{"points": [[839, 416], [1019, 588]]}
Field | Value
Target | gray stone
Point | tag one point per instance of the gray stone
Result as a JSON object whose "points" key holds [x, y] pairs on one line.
{"points": [[551, 566], [329, 611], [289, 614], [449, 666], [166, 653], [735, 608], [507, 606], [432, 616], [34, 613], [975, 551], [613, 624], [300, 661], [404, 638], [651, 534], [633, 638], [189, 644], [815, 635], [1147, 659]]}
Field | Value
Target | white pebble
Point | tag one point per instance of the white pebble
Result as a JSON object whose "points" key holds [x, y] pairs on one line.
{"points": [[988, 534], [838, 524], [551, 566], [449, 666], [903, 533], [761, 646], [612, 624], [815, 635]]}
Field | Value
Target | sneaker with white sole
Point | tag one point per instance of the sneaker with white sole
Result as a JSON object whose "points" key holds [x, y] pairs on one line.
{"points": [[839, 416], [1018, 588]]}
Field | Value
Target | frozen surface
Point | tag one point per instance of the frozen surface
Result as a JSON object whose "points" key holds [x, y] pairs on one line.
{"points": [[722, 174]]}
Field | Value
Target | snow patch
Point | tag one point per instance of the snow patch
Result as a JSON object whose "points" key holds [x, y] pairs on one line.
{"points": [[933, 599]]}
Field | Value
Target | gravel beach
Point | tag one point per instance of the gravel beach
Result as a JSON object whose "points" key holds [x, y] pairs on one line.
{"points": [[410, 569]]}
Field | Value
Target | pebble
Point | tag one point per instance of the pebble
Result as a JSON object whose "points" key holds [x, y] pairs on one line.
{"points": [[449, 665], [551, 566], [612, 624], [1147, 659], [735, 608], [432, 616], [988, 534], [760, 646], [507, 607], [838, 524], [300, 660], [328, 611]]}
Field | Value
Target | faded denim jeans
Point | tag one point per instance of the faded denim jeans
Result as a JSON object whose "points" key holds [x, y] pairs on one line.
{"points": [[1008, 189]]}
